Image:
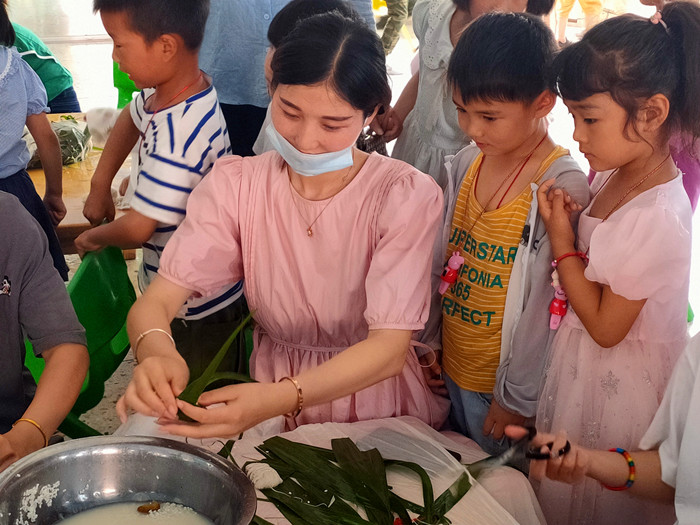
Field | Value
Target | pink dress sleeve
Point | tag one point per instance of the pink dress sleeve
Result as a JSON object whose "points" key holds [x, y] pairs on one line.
{"points": [[204, 254], [641, 252], [398, 280]]}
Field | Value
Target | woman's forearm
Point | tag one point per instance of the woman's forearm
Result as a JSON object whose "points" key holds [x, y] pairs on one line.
{"points": [[381, 356], [156, 308]]}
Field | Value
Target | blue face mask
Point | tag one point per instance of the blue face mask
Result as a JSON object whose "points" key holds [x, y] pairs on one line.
{"points": [[307, 164]]}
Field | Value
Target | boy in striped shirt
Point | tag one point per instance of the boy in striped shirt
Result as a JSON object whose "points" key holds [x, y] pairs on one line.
{"points": [[179, 130]]}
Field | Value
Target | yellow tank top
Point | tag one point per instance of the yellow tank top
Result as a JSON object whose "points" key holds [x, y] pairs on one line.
{"points": [[473, 307]]}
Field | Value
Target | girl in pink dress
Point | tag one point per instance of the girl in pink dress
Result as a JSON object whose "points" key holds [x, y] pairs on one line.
{"points": [[334, 246], [628, 85]]}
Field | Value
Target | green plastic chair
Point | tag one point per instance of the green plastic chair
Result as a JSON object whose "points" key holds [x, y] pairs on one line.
{"points": [[102, 295], [125, 86]]}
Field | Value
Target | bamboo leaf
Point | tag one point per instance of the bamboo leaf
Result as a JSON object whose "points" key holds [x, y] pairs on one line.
{"points": [[426, 484], [367, 473], [196, 388]]}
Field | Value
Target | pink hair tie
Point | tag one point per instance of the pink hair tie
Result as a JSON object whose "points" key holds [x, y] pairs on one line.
{"points": [[656, 19]]}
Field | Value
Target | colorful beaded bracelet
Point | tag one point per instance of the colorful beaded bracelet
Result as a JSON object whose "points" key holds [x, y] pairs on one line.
{"points": [[630, 464]]}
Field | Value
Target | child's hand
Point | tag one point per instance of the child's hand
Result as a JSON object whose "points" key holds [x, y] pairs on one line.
{"points": [[56, 208], [84, 243], [388, 125], [555, 208], [498, 418], [154, 387], [8, 455], [123, 186], [572, 467], [99, 206], [432, 371]]}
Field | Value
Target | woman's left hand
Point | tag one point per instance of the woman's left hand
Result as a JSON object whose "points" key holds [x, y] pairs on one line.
{"points": [[242, 406]]}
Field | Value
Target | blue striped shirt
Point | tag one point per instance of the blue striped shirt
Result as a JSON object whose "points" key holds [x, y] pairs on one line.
{"points": [[177, 148]]}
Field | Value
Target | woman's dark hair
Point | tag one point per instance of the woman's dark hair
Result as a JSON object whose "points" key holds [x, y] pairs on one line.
{"points": [[503, 57], [153, 18], [297, 10], [632, 59], [7, 32], [343, 52]]}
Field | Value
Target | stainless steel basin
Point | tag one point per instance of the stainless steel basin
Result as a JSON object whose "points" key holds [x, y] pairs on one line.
{"points": [[85, 473]]}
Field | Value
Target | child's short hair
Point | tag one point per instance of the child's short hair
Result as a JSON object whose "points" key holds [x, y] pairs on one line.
{"points": [[343, 52], [502, 57], [632, 59], [153, 18], [297, 10], [7, 32]]}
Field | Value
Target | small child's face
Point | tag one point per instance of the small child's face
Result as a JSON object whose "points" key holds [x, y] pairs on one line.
{"points": [[599, 129], [497, 127], [134, 56]]}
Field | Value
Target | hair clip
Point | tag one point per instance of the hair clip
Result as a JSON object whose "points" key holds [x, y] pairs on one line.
{"points": [[656, 19]]}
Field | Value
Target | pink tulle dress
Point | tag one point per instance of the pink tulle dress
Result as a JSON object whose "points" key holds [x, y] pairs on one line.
{"points": [[367, 266], [607, 397]]}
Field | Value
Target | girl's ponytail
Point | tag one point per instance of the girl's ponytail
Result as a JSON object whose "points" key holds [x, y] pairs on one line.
{"points": [[7, 32], [682, 21]]}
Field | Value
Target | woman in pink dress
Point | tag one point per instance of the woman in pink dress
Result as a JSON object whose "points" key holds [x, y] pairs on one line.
{"points": [[334, 246]]}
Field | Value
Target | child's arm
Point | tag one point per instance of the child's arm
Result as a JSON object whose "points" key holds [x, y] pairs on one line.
{"points": [[606, 316], [99, 205], [58, 388], [130, 230], [390, 124], [608, 468], [50, 153]]}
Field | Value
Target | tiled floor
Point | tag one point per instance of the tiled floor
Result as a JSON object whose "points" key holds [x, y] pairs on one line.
{"points": [[77, 38]]}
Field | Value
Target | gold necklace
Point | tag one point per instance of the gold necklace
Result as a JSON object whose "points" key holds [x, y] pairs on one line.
{"points": [[475, 182], [631, 188], [309, 228]]}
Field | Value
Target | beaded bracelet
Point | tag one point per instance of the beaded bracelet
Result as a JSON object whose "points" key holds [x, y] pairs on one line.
{"points": [[630, 464], [300, 396], [581, 255]]}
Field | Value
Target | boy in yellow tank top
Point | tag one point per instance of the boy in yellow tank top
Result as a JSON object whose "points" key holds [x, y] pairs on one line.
{"points": [[492, 323]]}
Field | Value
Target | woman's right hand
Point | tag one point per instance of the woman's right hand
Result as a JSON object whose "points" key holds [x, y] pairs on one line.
{"points": [[154, 387]]}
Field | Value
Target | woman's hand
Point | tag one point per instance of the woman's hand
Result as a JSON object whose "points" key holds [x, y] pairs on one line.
{"points": [[240, 407], [556, 207], [154, 388], [8, 454]]}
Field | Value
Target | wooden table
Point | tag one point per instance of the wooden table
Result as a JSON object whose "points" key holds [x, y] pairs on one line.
{"points": [[76, 187]]}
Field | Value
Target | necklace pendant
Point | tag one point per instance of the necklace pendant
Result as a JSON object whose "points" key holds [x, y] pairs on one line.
{"points": [[310, 232]]}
